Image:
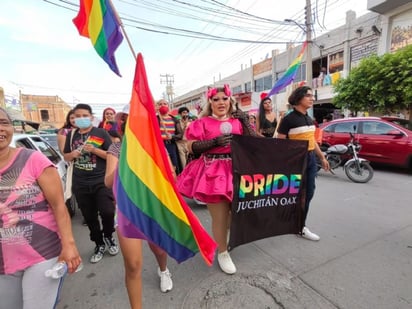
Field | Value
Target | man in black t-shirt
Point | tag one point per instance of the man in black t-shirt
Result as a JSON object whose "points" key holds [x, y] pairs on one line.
{"points": [[86, 148]]}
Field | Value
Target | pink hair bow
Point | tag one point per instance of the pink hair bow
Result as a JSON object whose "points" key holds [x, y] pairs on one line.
{"points": [[213, 91], [226, 88]]}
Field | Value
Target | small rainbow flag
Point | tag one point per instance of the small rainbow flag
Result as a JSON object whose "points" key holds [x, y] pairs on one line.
{"points": [[97, 20], [149, 205], [289, 75], [95, 141]]}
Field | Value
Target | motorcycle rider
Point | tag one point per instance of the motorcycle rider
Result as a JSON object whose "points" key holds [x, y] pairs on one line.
{"points": [[298, 125]]}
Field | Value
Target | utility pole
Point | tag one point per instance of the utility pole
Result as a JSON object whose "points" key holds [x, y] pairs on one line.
{"points": [[168, 79], [308, 24]]}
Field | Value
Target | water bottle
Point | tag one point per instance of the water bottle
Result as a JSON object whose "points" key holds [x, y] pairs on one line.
{"points": [[57, 271]]}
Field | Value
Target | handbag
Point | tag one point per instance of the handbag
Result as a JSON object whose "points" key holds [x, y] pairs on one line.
{"points": [[69, 174]]}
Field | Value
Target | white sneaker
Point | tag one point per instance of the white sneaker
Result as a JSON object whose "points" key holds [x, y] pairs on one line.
{"points": [[225, 263], [112, 247], [98, 254], [306, 233], [166, 283]]}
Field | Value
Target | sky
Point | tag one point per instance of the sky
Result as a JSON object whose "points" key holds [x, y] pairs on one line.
{"points": [[42, 53]]}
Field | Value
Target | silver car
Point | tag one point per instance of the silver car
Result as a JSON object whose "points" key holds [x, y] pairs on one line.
{"points": [[36, 142]]}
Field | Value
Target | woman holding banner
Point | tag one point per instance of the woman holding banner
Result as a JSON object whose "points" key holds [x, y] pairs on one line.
{"points": [[298, 125], [208, 179]]}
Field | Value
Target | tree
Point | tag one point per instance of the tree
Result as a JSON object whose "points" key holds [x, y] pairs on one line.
{"points": [[378, 84]]}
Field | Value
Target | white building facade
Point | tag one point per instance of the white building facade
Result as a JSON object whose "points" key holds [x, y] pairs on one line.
{"points": [[386, 28]]}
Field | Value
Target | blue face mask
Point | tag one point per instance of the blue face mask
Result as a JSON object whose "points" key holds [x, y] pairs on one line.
{"points": [[83, 122]]}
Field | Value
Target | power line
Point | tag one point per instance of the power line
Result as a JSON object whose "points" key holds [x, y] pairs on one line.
{"points": [[245, 13], [255, 31]]}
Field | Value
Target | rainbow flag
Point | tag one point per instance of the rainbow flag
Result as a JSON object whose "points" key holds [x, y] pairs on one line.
{"points": [[97, 20], [149, 205], [289, 75], [95, 141]]}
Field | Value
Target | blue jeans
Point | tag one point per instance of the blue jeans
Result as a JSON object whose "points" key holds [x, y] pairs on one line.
{"points": [[172, 150], [311, 172]]}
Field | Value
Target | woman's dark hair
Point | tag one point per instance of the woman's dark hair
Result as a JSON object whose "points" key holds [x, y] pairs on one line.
{"points": [[67, 124], [298, 95], [262, 115], [115, 133]]}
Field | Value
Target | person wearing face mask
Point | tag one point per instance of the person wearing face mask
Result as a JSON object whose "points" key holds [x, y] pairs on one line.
{"points": [[171, 132], [86, 147], [184, 121]]}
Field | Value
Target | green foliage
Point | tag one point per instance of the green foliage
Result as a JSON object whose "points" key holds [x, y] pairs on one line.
{"points": [[378, 83]]}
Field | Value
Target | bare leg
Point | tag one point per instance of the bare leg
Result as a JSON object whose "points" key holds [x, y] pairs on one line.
{"points": [[133, 261], [166, 283], [220, 218], [161, 256]]}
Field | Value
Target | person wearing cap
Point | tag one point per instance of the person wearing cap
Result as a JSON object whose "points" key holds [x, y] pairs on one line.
{"points": [[86, 146], [266, 121], [298, 125], [132, 247]]}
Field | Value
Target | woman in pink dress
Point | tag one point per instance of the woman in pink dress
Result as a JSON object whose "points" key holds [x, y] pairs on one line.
{"points": [[208, 179]]}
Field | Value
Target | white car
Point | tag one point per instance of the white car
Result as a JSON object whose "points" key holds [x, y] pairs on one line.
{"points": [[36, 142]]}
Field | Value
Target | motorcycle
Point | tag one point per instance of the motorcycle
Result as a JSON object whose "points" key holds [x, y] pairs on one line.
{"points": [[357, 169]]}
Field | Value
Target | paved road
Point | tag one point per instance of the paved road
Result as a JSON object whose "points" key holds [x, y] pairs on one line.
{"points": [[363, 260]]}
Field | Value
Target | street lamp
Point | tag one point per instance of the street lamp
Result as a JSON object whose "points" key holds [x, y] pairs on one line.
{"points": [[308, 30], [301, 26]]}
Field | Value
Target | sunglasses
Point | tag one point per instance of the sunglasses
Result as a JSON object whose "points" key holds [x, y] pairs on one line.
{"points": [[218, 99]]}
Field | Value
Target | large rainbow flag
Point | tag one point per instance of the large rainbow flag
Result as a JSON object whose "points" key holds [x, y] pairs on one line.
{"points": [[290, 73], [97, 20], [149, 205]]}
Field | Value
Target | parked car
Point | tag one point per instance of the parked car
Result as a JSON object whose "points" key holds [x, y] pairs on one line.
{"points": [[51, 138], [37, 142], [399, 121], [382, 141]]}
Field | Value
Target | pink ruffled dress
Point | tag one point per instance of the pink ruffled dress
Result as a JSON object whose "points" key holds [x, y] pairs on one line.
{"points": [[209, 178]]}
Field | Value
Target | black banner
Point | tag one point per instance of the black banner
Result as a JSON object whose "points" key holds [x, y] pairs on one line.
{"points": [[268, 198]]}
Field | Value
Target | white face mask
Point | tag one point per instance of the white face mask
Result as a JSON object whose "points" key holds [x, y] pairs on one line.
{"points": [[83, 122]]}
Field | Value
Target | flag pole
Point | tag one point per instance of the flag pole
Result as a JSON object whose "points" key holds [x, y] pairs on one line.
{"points": [[122, 26]]}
